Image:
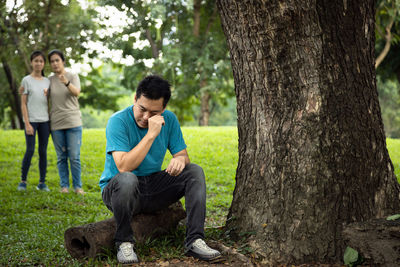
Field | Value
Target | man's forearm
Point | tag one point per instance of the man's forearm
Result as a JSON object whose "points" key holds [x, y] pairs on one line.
{"points": [[185, 159], [129, 161]]}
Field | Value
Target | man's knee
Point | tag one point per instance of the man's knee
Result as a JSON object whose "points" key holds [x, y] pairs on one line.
{"points": [[196, 174], [195, 170], [121, 192], [127, 180], [122, 187]]}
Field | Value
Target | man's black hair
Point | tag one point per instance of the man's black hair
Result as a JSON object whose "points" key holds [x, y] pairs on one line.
{"points": [[58, 52], [154, 87]]}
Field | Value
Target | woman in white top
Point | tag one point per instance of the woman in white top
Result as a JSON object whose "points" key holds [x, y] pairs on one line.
{"points": [[36, 118]]}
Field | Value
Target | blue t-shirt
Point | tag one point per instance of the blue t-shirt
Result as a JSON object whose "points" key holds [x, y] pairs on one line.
{"points": [[123, 134]]}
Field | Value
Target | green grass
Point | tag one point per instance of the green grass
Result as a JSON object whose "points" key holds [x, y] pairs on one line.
{"points": [[394, 152], [32, 223]]}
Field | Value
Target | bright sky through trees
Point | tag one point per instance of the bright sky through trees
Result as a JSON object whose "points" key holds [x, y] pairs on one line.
{"points": [[111, 20]]}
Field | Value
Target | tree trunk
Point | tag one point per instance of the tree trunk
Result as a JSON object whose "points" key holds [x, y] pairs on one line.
{"points": [[15, 100], [92, 239], [376, 240], [312, 150], [205, 109], [154, 49], [205, 96], [196, 17]]}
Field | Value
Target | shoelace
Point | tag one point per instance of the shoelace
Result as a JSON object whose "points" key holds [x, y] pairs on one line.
{"points": [[202, 245], [126, 249]]}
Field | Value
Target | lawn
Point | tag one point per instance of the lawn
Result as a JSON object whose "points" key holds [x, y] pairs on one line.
{"points": [[32, 223], [394, 152]]}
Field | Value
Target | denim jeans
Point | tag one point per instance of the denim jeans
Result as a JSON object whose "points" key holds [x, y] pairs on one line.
{"points": [[126, 195], [43, 130], [67, 143]]}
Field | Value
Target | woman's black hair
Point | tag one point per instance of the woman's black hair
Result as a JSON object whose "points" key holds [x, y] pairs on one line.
{"points": [[58, 52], [36, 54]]}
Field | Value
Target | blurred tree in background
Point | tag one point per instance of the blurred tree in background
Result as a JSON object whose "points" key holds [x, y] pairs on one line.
{"points": [[387, 48], [180, 40], [44, 25], [38, 25], [183, 42]]}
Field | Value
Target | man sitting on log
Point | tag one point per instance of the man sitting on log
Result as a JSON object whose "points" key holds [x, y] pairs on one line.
{"points": [[132, 181]]}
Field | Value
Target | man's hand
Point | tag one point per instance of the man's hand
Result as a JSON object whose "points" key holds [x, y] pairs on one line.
{"points": [[155, 124], [176, 166]]}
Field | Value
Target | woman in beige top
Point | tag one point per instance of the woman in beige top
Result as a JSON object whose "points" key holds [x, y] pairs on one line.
{"points": [[65, 121]]}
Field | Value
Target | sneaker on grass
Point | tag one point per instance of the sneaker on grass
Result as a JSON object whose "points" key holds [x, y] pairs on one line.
{"points": [[42, 187], [125, 254], [21, 187], [79, 191], [64, 190], [200, 250]]}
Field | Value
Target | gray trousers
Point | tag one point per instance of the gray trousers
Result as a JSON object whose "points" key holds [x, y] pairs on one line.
{"points": [[126, 195]]}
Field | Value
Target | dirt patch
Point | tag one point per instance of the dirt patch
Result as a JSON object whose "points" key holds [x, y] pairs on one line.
{"points": [[230, 257]]}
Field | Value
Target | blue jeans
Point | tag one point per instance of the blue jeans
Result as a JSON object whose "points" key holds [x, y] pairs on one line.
{"points": [[67, 143], [43, 130], [126, 195]]}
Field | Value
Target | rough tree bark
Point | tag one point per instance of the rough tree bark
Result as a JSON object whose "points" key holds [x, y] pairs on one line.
{"points": [[15, 103], [312, 150], [90, 240], [377, 240], [16, 113], [205, 109]]}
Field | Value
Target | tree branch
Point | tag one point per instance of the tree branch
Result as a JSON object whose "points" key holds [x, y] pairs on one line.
{"points": [[211, 21], [153, 45], [46, 27], [196, 18], [388, 38], [14, 37]]}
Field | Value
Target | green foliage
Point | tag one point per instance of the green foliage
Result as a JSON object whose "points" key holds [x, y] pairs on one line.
{"points": [[102, 88], [40, 25], [351, 257], [32, 223], [393, 217], [194, 64], [388, 11], [46, 25], [92, 118], [389, 99], [394, 152], [220, 115]]}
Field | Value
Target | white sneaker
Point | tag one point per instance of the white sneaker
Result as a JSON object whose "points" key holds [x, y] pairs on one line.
{"points": [[125, 254], [200, 250]]}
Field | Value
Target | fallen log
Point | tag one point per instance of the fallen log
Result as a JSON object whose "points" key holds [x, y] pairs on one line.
{"points": [[376, 240], [93, 239]]}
